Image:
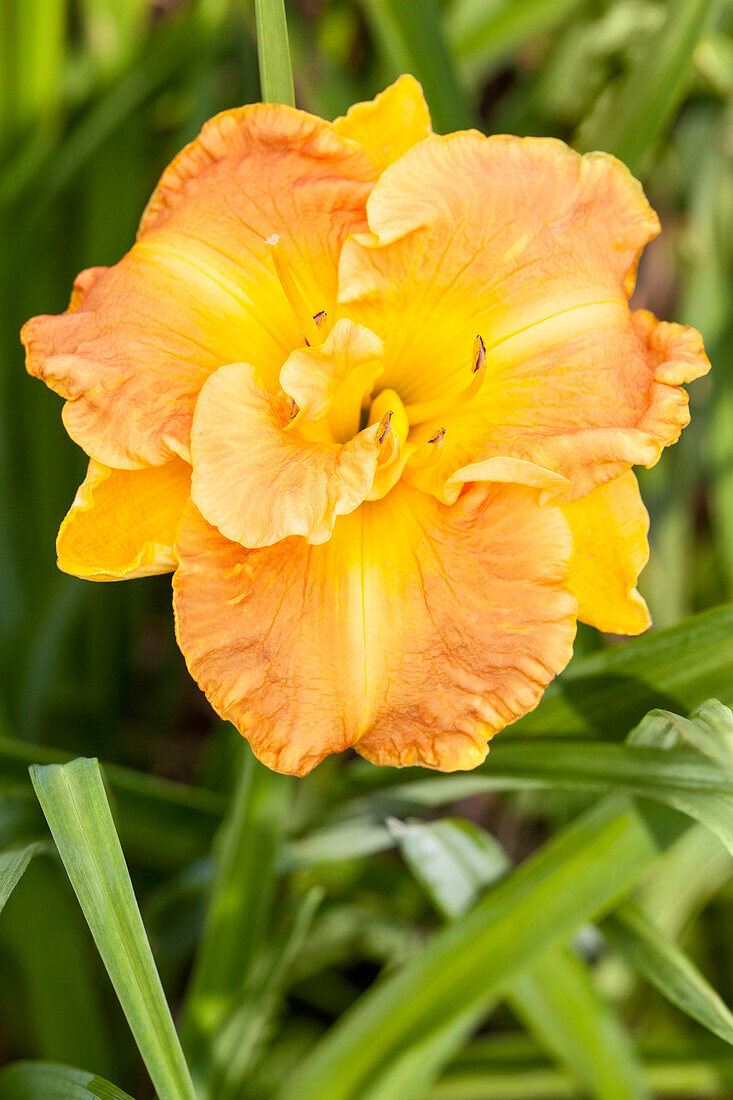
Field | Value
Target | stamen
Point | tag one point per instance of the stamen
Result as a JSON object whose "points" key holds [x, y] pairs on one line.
{"points": [[428, 454], [384, 427], [426, 410], [389, 444], [388, 412], [313, 326]]}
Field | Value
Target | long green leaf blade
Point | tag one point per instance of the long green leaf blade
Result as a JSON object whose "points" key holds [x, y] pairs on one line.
{"points": [[609, 692], [555, 996], [632, 117], [482, 32], [73, 798], [411, 37], [49, 1081], [685, 781], [668, 968], [273, 52], [585, 869], [12, 865], [558, 1003], [240, 901]]}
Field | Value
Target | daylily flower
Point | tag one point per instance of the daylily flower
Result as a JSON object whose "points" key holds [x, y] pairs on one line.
{"points": [[375, 395]]}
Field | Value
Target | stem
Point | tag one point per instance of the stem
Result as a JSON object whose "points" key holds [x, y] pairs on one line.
{"points": [[273, 52]]}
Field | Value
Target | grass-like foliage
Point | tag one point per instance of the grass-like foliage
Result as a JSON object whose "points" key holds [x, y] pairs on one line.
{"points": [[176, 921]]}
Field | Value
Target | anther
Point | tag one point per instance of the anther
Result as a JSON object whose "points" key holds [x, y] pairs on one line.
{"points": [[479, 354], [313, 326], [389, 444], [428, 454], [426, 410], [384, 427]]}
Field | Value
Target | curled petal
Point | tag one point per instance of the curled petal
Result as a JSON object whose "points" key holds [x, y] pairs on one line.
{"points": [[259, 482], [83, 283], [390, 124], [123, 523], [334, 377], [413, 634], [512, 470], [609, 528], [534, 248], [199, 289]]}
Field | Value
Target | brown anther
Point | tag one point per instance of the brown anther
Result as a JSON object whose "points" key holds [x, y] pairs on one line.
{"points": [[428, 454], [384, 428], [479, 354], [320, 318], [426, 410]]}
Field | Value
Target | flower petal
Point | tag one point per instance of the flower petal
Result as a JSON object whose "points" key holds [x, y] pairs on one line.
{"points": [[123, 523], [199, 288], [390, 124], [609, 528], [414, 633], [260, 480], [533, 247], [334, 377]]}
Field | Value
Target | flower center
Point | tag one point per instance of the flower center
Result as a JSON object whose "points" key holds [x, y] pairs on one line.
{"points": [[328, 387]]}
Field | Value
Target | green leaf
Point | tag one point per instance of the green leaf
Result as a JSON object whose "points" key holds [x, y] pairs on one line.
{"points": [[411, 38], [246, 1027], [452, 859], [49, 1081], [555, 996], [669, 969], [481, 32], [581, 872], [684, 880], [606, 694], [685, 781], [631, 117], [560, 1006], [74, 801], [273, 52], [162, 824], [510, 1067], [239, 910], [12, 865], [45, 943]]}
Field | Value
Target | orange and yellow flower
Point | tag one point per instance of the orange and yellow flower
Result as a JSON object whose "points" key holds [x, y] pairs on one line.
{"points": [[375, 395]]}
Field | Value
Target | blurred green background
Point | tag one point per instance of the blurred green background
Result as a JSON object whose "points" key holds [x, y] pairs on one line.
{"points": [[96, 96]]}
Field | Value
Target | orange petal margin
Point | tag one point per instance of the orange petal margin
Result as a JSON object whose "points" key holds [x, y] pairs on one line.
{"points": [[609, 528], [199, 288], [413, 634], [390, 124], [257, 478], [533, 247], [123, 523]]}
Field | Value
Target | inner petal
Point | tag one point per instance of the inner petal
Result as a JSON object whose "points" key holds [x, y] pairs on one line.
{"points": [[259, 480], [334, 380]]}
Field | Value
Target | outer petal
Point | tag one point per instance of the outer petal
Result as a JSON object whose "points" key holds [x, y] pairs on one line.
{"points": [[199, 288], [123, 523], [415, 633], [390, 124], [259, 480], [534, 248], [609, 528]]}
